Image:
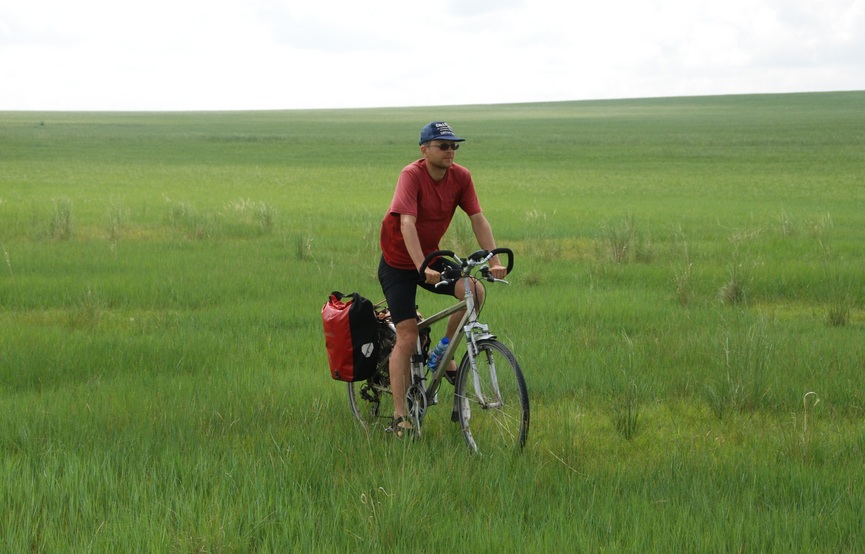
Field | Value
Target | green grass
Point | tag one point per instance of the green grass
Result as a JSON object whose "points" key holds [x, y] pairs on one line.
{"points": [[687, 306]]}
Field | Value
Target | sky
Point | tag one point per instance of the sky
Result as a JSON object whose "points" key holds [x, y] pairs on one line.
{"points": [[132, 55]]}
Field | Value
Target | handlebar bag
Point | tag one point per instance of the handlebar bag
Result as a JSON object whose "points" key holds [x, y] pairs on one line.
{"points": [[351, 336]]}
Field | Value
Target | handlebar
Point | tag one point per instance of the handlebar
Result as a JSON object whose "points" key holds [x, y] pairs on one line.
{"points": [[476, 259]]}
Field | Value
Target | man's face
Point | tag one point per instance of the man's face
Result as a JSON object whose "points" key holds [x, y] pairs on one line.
{"points": [[440, 153]]}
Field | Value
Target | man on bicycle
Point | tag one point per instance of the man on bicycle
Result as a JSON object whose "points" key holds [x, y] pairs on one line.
{"points": [[427, 195]]}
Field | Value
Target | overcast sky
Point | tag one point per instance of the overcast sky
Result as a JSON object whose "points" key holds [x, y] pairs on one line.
{"points": [[278, 54]]}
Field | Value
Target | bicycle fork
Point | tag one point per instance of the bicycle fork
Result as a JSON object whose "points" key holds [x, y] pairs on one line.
{"points": [[489, 396]]}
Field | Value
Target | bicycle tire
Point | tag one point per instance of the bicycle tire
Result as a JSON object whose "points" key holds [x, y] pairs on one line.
{"points": [[373, 411], [371, 401], [492, 400]]}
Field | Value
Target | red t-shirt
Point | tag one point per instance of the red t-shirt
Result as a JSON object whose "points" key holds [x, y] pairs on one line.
{"points": [[432, 203]]}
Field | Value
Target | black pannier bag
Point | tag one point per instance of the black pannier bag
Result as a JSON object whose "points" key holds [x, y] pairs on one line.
{"points": [[351, 336]]}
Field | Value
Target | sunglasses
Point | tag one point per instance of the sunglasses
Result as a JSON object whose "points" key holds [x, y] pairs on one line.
{"points": [[446, 146]]}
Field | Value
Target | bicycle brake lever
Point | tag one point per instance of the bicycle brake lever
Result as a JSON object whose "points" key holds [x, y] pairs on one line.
{"points": [[485, 272]]}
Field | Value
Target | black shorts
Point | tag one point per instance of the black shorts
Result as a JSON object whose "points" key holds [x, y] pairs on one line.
{"points": [[400, 288]]}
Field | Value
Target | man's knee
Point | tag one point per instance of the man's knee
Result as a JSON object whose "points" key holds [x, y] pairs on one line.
{"points": [[477, 289], [406, 331]]}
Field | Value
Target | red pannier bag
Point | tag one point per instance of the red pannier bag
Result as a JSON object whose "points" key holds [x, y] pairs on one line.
{"points": [[351, 336]]}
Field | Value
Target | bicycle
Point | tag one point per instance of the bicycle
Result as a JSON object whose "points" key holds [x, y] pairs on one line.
{"points": [[491, 401]]}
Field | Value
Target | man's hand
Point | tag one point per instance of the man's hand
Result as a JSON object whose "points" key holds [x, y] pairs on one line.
{"points": [[431, 276], [497, 270]]}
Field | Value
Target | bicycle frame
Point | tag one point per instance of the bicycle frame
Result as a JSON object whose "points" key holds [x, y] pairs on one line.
{"points": [[469, 328]]}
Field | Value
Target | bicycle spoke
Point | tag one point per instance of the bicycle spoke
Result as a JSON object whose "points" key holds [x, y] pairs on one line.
{"points": [[371, 405], [370, 401], [492, 400]]}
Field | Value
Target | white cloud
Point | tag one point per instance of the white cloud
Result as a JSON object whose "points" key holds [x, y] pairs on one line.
{"points": [[267, 54]]}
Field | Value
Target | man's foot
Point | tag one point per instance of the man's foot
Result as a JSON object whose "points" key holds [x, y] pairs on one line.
{"points": [[401, 427], [451, 373]]}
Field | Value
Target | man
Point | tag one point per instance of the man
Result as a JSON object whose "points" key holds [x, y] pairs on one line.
{"points": [[427, 195]]}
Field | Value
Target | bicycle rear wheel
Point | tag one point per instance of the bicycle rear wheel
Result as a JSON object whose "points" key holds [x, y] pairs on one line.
{"points": [[371, 401], [492, 399]]}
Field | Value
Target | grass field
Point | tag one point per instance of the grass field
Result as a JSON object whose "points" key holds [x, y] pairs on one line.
{"points": [[687, 304]]}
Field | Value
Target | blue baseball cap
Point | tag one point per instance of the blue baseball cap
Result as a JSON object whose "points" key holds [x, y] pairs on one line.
{"points": [[438, 130]]}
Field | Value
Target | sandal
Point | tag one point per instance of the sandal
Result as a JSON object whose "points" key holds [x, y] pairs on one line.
{"points": [[398, 430], [451, 374]]}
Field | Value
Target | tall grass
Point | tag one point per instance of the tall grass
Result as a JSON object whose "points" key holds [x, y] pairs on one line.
{"points": [[60, 226], [162, 370]]}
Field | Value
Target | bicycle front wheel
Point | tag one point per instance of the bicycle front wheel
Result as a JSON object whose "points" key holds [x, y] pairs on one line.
{"points": [[492, 400]]}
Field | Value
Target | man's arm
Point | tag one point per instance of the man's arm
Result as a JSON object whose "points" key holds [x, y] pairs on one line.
{"points": [[408, 228], [484, 234]]}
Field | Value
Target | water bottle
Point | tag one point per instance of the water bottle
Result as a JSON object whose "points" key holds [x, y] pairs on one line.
{"points": [[436, 355]]}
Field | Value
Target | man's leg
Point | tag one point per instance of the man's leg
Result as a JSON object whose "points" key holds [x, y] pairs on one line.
{"points": [[400, 359], [455, 318], [399, 287], [460, 294]]}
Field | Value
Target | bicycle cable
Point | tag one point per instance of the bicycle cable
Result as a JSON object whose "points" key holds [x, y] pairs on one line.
{"points": [[475, 283]]}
